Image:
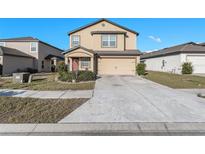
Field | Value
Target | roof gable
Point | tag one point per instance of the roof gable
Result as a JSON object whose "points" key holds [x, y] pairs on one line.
{"points": [[101, 20]]}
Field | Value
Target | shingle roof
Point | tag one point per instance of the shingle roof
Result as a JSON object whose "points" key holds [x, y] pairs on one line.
{"points": [[12, 52], [77, 47], [108, 32], [23, 39], [189, 47], [107, 53], [118, 53], [27, 39], [98, 21]]}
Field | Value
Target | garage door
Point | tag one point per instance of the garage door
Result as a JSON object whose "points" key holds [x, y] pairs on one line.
{"points": [[198, 63], [116, 66]]}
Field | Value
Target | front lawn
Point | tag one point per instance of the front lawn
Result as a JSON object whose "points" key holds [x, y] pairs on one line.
{"points": [[30, 110], [46, 83], [176, 80]]}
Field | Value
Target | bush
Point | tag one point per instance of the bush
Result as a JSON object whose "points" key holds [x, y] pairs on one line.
{"points": [[61, 67], [141, 69], [78, 76], [187, 68], [66, 76], [31, 70], [85, 76]]}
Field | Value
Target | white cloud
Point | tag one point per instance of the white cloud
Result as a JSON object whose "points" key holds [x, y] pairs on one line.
{"points": [[156, 39], [148, 51]]}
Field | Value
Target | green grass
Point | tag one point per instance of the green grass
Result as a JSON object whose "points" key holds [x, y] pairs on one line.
{"points": [[46, 83], [30, 110], [176, 81]]}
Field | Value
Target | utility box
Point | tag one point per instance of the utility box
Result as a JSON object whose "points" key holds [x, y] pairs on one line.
{"points": [[21, 77]]}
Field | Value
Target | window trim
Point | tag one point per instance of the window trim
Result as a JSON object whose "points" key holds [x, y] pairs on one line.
{"points": [[108, 41], [72, 40], [36, 46], [4, 44], [83, 67]]}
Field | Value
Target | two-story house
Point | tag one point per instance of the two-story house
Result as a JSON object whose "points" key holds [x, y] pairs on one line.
{"points": [[103, 47], [27, 52]]}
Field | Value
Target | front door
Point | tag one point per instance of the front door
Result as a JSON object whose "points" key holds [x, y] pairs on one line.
{"points": [[75, 63]]}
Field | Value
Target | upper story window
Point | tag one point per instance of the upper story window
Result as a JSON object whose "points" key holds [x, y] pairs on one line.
{"points": [[75, 40], [2, 44], [109, 41], [34, 46]]}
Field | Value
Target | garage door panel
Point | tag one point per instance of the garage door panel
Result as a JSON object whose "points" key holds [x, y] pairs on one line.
{"points": [[198, 63], [116, 66]]}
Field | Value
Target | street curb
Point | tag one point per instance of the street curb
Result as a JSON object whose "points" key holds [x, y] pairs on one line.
{"points": [[139, 128]]}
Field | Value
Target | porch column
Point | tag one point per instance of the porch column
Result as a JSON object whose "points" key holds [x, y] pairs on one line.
{"points": [[66, 60], [92, 64], [70, 63]]}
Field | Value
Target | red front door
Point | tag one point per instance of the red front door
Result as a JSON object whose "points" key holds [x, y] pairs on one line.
{"points": [[75, 62]]}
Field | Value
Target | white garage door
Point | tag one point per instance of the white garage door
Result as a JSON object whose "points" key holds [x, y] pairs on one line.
{"points": [[198, 63], [116, 66]]}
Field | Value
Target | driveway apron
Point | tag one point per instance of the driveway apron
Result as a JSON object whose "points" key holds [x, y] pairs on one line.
{"points": [[134, 99]]}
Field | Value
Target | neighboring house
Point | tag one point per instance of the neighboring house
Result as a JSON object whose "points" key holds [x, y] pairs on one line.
{"points": [[103, 47], [171, 59], [28, 52], [203, 44]]}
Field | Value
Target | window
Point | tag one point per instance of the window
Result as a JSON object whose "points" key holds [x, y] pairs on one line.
{"points": [[75, 40], [85, 62], [2, 44], [34, 46], [109, 41], [42, 64]]}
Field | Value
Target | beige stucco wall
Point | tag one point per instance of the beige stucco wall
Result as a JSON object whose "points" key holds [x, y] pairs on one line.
{"points": [[45, 50], [23, 47], [12, 63], [94, 41]]}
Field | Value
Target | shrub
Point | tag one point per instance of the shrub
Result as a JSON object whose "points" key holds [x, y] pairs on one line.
{"points": [[78, 76], [31, 70], [85, 76], [187, 68], [61, 67], [141, 69], [66, 76]]}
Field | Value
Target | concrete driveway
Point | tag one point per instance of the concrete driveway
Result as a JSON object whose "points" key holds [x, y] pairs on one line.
{"points": [[133, 99]]}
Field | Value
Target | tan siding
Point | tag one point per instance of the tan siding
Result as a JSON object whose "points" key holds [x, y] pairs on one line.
{"points": [[94, 41], [45, 50], [23, 47]]}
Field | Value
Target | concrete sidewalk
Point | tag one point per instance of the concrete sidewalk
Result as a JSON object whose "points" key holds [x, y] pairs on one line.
{"points": [[66, 94], [104, 129]]}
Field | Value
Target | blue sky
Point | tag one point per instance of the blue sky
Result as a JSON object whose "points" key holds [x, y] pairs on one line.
{"points": [[155, 33]]}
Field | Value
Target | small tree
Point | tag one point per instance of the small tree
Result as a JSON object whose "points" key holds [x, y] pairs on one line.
{"points": [[141, 69], [187, 68]]}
